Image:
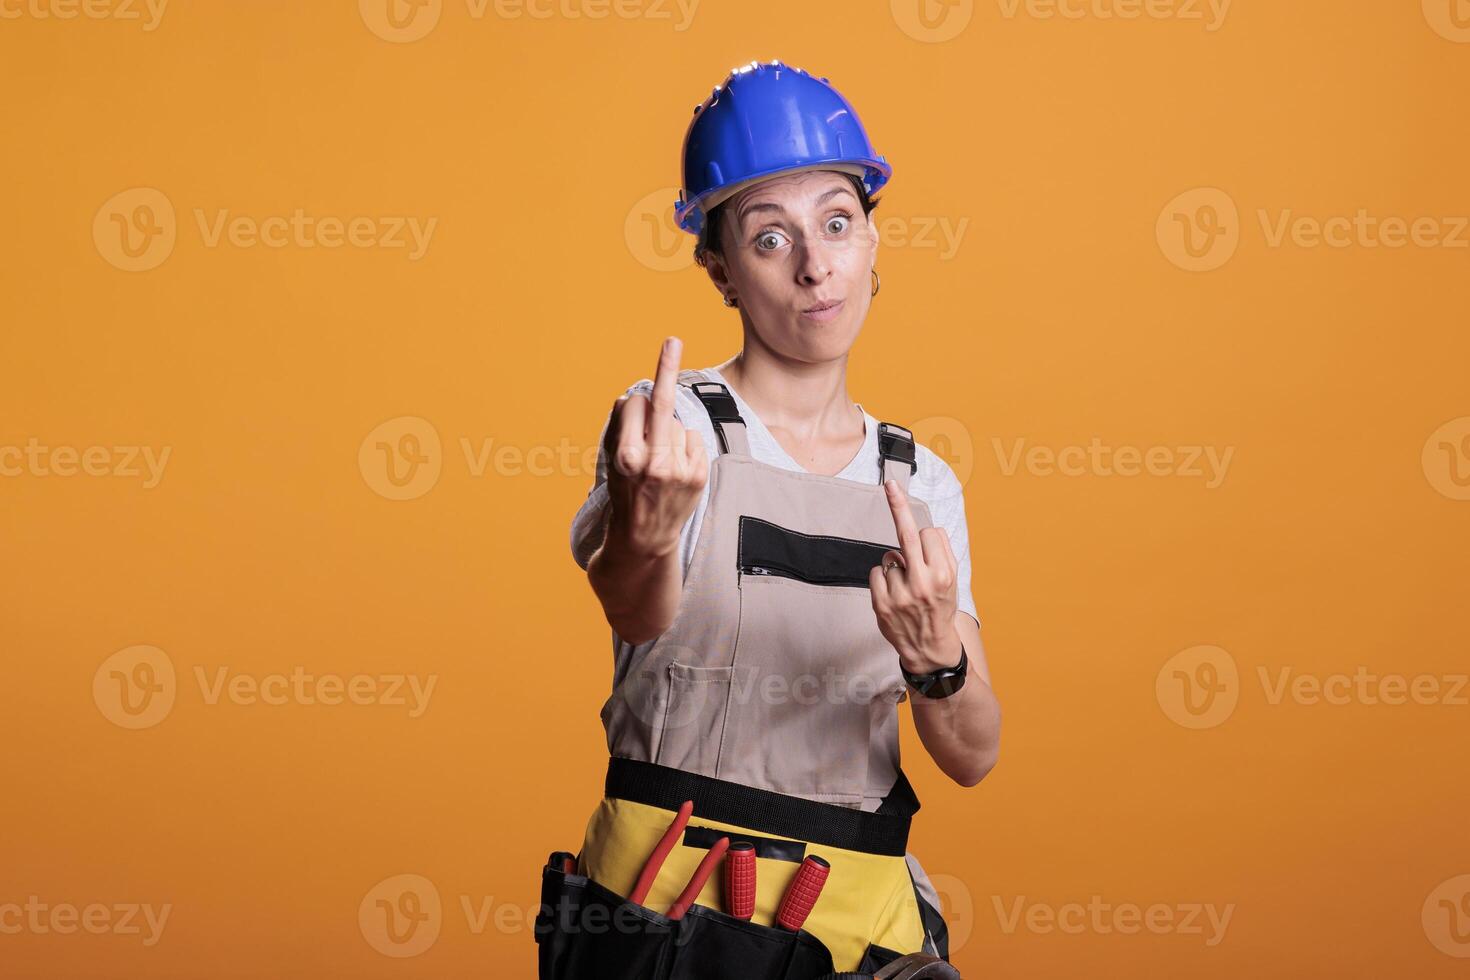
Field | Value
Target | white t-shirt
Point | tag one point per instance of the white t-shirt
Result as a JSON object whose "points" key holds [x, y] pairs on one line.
{"points": [[934, 483]]}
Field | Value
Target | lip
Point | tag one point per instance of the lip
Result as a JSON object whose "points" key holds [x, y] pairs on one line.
{"points": [[821, 314]]}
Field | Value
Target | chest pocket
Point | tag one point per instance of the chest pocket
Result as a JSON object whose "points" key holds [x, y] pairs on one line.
{"points": [[812, 678]]}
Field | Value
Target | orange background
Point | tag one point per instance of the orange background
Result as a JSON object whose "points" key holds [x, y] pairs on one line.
{"points": [[1332, 543]]}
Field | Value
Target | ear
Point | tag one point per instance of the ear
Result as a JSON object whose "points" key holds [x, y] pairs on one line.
{"points": [[718, 274]]}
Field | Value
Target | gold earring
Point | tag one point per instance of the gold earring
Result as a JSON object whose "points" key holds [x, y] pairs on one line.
{"points": [[731, 301], [877, 283]]}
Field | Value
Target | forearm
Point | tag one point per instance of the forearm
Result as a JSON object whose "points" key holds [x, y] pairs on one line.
{"points": [[639, 591], [962, 732]]}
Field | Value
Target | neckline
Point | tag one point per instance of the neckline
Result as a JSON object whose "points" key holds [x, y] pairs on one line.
{"points": [[753, 424]]}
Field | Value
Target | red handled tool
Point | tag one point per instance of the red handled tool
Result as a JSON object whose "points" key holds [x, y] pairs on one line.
{"points": [[701, 875], [660, 851], [740, 880], [802, 893]]}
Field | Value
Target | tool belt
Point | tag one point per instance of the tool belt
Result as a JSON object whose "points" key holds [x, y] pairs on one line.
{"points": [[586, 929]]}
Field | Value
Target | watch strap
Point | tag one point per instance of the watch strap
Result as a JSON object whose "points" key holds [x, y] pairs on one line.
{"points": [[940, 683]]}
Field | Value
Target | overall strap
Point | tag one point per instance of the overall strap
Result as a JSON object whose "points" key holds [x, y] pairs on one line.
{"points": [[896, 458], [717, 400]]}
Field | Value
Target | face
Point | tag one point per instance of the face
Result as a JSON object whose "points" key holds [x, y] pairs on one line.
{"points": [[792, 243]]}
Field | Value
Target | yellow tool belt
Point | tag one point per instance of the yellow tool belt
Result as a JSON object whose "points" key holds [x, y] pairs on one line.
{"points": [[868, 913]]}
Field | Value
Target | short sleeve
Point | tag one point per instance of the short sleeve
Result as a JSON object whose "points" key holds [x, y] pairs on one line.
{"points": [[590, 523]]}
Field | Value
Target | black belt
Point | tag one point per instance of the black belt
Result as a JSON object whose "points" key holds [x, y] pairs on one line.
{"points": [[883, 832]]}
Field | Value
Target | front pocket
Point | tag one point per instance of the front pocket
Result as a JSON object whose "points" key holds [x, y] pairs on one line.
{"points": [[766, 548], [814, 685], [711, 945], [694, 717], [584, 931]]}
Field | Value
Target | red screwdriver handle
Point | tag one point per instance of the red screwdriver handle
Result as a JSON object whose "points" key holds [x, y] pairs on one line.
{"points": [[802, 893], [740, 879]]}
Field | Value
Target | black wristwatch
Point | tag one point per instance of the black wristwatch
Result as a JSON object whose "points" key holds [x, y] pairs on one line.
{"points": [[940, 683]]}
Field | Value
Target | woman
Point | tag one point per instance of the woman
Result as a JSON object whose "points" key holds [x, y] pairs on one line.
{"points": [[779, 570]]}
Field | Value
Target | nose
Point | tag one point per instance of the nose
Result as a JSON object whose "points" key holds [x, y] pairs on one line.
{"points": [[814, 263]]}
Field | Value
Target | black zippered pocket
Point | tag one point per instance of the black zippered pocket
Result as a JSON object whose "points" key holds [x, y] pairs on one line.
{"points": [[822, 559]]}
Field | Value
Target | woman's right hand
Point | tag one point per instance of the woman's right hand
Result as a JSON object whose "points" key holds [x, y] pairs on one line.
{"points": [[656, 469]]}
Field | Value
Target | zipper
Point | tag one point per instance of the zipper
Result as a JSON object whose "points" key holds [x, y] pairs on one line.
{"points": [[776, 570]]}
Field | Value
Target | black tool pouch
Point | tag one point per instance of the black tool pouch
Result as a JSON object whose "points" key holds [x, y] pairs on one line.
{"points": [[586, 931]]}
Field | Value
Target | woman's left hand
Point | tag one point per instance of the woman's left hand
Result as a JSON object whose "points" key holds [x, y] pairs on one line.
{"points": [[915, 601]]}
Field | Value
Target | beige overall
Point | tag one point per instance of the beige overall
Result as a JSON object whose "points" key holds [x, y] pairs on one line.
{"points": [[775, 677]]}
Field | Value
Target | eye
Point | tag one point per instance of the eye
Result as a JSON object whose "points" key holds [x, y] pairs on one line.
{"points": [[769, 240], [840, 221]]}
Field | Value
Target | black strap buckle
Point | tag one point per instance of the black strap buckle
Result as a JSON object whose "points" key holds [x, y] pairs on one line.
{"points": [[897, 443]]}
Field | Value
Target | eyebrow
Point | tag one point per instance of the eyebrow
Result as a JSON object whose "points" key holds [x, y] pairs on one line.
{"points": [[773, 206]]}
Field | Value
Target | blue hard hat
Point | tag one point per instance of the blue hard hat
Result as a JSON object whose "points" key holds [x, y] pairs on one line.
{"points": [[767, 119]]}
